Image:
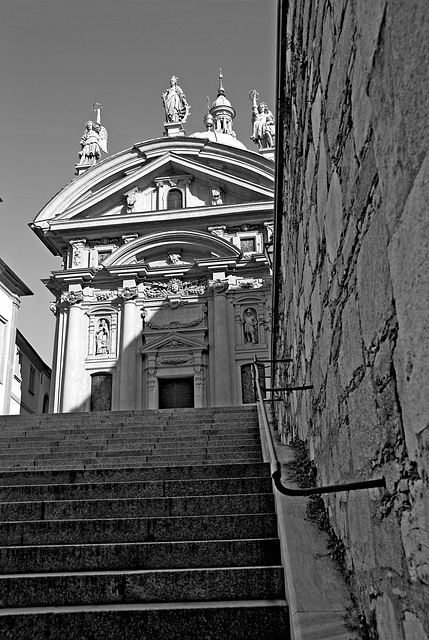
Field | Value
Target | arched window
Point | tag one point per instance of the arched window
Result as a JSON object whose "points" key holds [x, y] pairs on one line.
{"points": [[174, 199]]}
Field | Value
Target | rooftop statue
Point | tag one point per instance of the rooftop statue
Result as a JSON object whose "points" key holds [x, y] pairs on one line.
{"points": [[263, 127], [175, 104], [93, 141]]}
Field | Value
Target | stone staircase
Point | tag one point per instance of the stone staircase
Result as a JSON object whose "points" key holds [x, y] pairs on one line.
{"points": [[146, 524]]}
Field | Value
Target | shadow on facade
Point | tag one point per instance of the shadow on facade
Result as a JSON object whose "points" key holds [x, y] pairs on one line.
{"points": [[177, 358]]}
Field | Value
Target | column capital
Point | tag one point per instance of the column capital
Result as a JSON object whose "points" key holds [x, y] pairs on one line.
{"points": [[218, 286], [72, 297], [127, 293]]}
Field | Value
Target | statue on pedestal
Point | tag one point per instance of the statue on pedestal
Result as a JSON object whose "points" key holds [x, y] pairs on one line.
{"points": [[263, 126], [175, 104], [93, 141]]}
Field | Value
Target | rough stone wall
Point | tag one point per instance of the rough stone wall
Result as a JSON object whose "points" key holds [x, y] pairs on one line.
{"points": [[353, 284]]}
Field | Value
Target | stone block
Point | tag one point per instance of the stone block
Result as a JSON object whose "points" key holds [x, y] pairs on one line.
{"points": [[409, 26], [409, 265], [337, 94], [388, 626], [351, 353], [366, 434], [313, 237], [361, 103], [361, 535], [374, 287], [327, 48], [368, 19], [309, 172], [348, 170], [316, 113], [388, 545], [413, 628], [334, 216], [322, 182], [391, 152], [415, 536], [325, 341]]}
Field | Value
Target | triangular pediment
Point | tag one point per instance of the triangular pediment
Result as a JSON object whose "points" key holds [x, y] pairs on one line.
{"points": [[174, 342], [114, 189]]}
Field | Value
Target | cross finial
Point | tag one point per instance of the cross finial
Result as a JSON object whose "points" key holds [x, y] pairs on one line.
{"points": [[221, 90]]}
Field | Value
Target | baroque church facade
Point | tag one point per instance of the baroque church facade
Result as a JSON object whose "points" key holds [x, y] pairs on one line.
{"points": [[164, 295]]}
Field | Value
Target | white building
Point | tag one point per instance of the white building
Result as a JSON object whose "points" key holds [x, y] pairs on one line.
{"points": [[164, 295], [24, 377]]}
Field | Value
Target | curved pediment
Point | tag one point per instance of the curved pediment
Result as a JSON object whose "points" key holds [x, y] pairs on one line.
{"points": [[172, 248]]}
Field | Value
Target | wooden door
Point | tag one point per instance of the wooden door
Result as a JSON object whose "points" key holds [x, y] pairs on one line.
{"points": [[176, 393], [101, 392]]}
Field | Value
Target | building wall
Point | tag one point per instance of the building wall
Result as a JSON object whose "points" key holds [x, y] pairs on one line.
{"points": [[11, 290], [9, 304], [31, 380], [352, 265]]}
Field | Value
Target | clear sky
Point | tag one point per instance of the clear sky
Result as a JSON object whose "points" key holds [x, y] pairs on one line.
{"points": [[58, 57]]}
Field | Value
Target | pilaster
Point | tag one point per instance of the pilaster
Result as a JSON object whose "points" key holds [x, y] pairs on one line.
{"points": [[72, 356], [128, 376]]}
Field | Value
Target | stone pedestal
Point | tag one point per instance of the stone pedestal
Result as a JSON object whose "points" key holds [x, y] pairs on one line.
{"points": [[173, 129]]}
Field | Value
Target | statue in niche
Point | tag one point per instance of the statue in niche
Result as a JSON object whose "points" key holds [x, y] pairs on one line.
{"points": [[250, 326], [102, 337], [94, 139], [263, 127], [175, 104]]}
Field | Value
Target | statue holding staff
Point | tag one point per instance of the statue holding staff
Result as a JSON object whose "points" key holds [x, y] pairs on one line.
{"points": [[94, 140], [175, 104], [263, 127]]}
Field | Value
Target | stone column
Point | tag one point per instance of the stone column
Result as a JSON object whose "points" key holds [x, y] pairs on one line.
{"points": [[128, 381], [72, 358], [222, 367]]}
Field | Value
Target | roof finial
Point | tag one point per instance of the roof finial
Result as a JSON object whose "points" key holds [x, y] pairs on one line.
{"points": [[221, 90]]}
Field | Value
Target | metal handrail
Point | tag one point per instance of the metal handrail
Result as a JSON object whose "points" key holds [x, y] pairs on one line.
{"points": [[276, 472]]}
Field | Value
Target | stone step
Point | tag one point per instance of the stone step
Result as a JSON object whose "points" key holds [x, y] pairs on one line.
{"points": [[135, 474], [136, 507], [111, 449], [156, 529], [125, 461], [140, 555], [250, 435], [92, 422], [99, 433], [220, 620], [141, 414], [166, 585], [149, 489]]}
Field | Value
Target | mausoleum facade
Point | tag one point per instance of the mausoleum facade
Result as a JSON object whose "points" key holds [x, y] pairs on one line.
{"points": [[163, 299]]}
